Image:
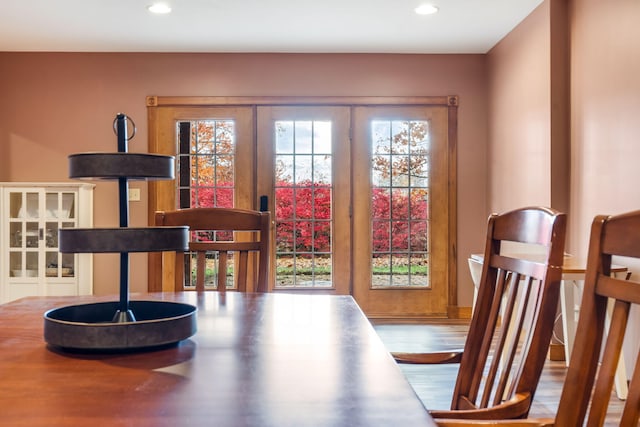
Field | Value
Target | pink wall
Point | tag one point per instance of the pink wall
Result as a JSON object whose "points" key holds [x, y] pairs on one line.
{"points": [[605, 129], [602, 124], [54, 104], [605, 119], [519, 156]]}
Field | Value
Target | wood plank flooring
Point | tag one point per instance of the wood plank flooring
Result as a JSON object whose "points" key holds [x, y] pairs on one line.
{"points": [[434, 384]]}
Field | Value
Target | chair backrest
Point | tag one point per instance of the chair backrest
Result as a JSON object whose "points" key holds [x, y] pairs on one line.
{"points": [[512, 322], [227, 236], [589, 380]]}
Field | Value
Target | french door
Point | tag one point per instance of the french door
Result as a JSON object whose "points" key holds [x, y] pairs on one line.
{"points": [[401, 212], [214, 151], [303, 168], [362, 195]]}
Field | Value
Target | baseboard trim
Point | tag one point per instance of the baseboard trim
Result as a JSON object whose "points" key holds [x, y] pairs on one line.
{"points": [[456, 312], [556, 352], [454, 315]]}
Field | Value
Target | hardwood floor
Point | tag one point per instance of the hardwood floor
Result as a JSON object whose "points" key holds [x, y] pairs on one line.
{"points": [[434, 384]]}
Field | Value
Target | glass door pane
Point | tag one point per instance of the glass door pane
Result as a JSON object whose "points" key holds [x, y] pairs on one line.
{"points": [[206, 178], [303, 166], [303, 190], [24, 234], [400, 203], [60, 212], [206, 163], [32, 208]]}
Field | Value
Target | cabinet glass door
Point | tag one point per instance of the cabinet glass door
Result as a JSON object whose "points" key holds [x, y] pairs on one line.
{"points": [[34, 220], [60, 212], [23, 235]]}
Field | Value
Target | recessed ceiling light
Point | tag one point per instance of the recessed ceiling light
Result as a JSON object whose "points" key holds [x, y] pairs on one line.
{"points": [[160, 8], [426, 9]]}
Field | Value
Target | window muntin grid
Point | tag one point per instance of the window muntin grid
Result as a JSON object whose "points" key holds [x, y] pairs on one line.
{"points": [[206, 178], [303, 195], [205, 166], [400, 203]]}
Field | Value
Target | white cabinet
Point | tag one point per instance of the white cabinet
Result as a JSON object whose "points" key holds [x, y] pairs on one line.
{"points": [[32, 214]]}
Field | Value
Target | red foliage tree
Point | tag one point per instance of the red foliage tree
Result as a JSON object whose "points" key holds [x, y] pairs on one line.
{"points": [[210, 196], [303, 214], [399, 220]]}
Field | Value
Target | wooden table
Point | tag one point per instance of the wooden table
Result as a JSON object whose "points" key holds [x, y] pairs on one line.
{"points": [[256, 360]]}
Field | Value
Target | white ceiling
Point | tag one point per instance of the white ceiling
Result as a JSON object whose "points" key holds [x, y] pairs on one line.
{"points": [[366, 26]]}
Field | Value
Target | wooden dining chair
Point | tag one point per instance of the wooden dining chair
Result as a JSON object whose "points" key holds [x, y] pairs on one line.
{"points": [[588, 385], [512, 321], [221, 241]]}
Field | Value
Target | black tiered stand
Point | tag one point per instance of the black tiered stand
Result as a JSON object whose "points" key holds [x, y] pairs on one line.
{"points": [[121, 325]]}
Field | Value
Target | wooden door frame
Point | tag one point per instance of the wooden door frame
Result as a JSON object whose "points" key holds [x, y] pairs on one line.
{"points": [[155, 102]]}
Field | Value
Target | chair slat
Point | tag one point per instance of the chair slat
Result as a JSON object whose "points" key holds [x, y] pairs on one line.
{"points": [[180, 258], [496, 362], [606, 372], [242, 270], [222, 271], [484, 342], [510, 353]]}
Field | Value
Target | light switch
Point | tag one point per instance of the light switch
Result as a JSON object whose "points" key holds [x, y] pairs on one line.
{"points": [[134, 194]]}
